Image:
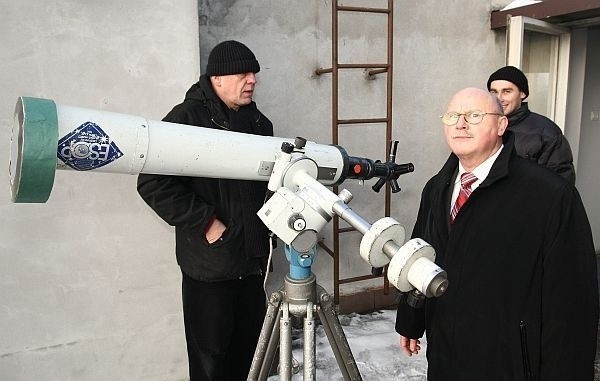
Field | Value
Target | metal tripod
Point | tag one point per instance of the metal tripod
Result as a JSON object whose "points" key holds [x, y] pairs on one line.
{"points": [[300, 297]]}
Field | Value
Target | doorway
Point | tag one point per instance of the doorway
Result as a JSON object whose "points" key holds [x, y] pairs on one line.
{"points": [[588, 173], [561, 62]]}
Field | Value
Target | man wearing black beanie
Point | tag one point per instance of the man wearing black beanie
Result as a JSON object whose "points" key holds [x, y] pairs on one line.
{"points": [[537, 138], [221, 244]]}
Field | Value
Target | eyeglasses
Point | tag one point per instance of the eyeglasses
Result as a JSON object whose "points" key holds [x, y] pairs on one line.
{"points": [[472, 117]]}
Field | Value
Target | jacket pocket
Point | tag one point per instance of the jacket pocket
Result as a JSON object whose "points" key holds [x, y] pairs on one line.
{"points": [[229, 240], [525, 351], [221, 241], [209, 262]]}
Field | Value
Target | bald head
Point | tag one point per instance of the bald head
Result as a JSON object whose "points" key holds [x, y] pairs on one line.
{"points": [[480, 123], [480, 95]]}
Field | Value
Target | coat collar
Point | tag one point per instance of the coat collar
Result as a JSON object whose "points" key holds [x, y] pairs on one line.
{"points": [[441, 186], [218, 111], [518, 115], [499, 168]]}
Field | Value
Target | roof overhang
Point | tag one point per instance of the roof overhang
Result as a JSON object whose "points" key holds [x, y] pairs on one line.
{"points": [[553, 11]]}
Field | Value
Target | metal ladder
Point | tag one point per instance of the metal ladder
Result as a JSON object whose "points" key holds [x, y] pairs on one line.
{"points": [[372, 70]]}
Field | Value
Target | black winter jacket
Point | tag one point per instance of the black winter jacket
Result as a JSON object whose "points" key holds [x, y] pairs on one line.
{"points": [[522, 278], [539, 139], [188, 203]]}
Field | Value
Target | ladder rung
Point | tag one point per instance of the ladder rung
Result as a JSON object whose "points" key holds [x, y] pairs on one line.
{"points": [[380, 68], [362, 66], [326, 248], [362, 9], [358, 278], [360, 121]]}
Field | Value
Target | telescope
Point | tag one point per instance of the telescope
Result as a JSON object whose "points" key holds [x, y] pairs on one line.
{"points": [[298, 205], [46, 137]]}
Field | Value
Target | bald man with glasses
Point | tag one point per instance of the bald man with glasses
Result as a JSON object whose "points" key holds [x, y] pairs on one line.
{"points": [[515, 241]]}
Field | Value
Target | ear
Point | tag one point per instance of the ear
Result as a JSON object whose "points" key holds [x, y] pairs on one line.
{"points": [[216, 80], [502, 125], [522, 95]]}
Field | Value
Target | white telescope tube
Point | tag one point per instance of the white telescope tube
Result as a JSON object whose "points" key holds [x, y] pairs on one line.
{"points": [[47, 136]]}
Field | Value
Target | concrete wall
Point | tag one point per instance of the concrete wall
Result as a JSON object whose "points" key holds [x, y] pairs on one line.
{"points": [[89, 288], [438, 49]]}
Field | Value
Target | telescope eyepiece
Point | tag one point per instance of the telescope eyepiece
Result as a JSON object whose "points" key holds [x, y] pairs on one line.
{"points": [[299, 142], [287, 147]]}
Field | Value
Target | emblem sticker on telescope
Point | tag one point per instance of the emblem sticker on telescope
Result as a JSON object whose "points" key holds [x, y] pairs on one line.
{"points": [[87, 147]]}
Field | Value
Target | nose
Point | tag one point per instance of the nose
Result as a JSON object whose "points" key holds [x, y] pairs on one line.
{"points": [[251, 77], [462, 122]]}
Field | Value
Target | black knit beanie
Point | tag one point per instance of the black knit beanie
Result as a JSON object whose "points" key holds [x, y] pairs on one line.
{"points": [[231, 57], [510, 74]]}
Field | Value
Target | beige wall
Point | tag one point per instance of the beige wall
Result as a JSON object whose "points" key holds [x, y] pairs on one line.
{"points": [[89, 287]]}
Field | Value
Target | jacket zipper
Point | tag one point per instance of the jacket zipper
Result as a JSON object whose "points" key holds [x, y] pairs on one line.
{"points": [[215, 122], [524, 350]]}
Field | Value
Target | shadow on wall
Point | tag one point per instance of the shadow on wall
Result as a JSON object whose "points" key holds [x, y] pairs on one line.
{"points": [[597, 361]]}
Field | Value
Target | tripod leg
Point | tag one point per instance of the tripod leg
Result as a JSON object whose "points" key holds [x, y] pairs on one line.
{"points": [[309, 344], [285, 344], [267, 341], [337, 338], [271, 351]]}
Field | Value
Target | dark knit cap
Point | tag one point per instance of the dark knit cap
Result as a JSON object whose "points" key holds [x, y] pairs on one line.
{"points": [[510, 74], [231, 57]]}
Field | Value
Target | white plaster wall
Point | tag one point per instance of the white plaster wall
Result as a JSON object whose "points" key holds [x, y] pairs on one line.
{"points": [[439, 47], [89, 286]]}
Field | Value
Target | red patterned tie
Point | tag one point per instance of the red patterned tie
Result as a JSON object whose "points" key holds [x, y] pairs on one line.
{"points": [[466, 180]]}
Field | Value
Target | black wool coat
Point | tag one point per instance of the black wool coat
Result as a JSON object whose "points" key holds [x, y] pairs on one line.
{"points": [[540, 140], [189, 203], [522, 300]]}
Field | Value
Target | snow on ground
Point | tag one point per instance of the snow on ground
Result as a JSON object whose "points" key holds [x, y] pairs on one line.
{"points": [[375, 346]]}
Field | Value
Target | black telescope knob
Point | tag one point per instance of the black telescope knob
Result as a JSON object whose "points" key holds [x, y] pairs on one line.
{"points": [[378, 185], [299, 142], [287, 147], [395, 186]]}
